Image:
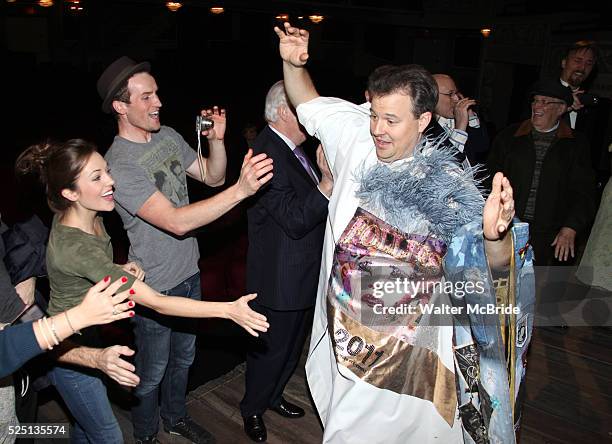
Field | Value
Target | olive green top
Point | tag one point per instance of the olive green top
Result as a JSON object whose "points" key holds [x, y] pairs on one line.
{"points": [[75, 261]]}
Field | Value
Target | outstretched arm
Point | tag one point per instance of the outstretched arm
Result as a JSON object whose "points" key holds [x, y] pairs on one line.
{"points": [[293, 47], [159, 211], [238, 310]]}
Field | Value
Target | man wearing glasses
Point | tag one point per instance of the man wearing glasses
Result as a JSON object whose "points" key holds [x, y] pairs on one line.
{"points": [[455, 117], [550, 170]]}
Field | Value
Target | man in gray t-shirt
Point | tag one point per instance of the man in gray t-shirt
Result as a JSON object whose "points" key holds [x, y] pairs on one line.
{"points": [[150, 164], [140, 170]]}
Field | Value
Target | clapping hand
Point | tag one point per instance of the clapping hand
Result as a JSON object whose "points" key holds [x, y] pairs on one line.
{"points": [[499, 208], [577, 104], [255, 172]]}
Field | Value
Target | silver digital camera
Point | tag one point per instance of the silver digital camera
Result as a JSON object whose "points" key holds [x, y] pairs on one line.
{"points": [[204, 124]]}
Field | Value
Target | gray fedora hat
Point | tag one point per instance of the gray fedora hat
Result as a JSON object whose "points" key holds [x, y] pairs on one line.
{"points": [[113, 77]]}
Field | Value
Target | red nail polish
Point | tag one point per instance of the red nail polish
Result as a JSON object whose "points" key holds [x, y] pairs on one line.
{"points": [[130, 304], [124, 279], [106, 278], [132, 291], [131, 314]]}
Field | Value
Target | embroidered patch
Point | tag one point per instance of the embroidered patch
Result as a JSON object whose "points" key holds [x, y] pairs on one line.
{"points": [[521, 331], [467, 358]]}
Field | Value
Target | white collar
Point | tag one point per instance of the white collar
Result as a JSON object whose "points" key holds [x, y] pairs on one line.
{"points": [[548, 130], [285, 138], [564, 83]]}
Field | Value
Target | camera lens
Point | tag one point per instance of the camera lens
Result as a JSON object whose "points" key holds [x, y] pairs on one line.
{"points": [[204, 123]]}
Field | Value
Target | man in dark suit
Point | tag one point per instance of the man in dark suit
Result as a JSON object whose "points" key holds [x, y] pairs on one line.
{"points": [[591, 117], [286, 229]]}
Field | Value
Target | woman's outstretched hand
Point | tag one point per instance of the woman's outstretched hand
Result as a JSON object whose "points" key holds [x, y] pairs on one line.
{"points": [[99, 306], [240, 312]]}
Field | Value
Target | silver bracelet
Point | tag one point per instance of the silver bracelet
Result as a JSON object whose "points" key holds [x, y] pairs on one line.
{"points": [[54, 332], [76, 332]]}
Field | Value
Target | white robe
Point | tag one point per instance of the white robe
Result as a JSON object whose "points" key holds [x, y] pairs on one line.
{"points": [[351, 410]]}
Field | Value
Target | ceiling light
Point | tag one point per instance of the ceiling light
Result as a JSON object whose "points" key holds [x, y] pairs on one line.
{"points": [[316, 18], [485, 32], [173, 6]]}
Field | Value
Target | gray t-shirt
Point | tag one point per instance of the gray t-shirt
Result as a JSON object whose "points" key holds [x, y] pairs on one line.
{"points": [[140, 169]]}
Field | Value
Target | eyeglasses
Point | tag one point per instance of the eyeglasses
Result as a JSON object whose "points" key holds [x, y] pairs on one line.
{"points": [[545, 103], [450, 93]]}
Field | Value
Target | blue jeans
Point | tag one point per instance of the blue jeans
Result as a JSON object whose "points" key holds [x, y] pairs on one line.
{"points": [[85, 396], [165, 349]]}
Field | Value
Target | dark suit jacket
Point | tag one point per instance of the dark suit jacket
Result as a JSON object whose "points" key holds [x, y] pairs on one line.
{"points": [[286, 228], [566, 189], [592, 121]]}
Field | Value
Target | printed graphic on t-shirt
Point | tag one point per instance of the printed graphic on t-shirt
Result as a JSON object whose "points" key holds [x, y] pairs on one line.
{"points": [[164, 167]]}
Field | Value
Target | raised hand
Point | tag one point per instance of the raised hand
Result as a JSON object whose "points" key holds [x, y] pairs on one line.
{"points": [[109, 361], [256, 171], [499, 208], [293, 44], [243, 315], [577, 104], [462, 112], [217, 115]]}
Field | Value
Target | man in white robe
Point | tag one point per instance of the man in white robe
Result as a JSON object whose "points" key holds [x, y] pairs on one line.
{"points": [[357, 138]]}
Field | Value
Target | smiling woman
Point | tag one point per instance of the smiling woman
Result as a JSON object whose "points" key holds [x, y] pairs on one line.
{"points": [[79, 185]]}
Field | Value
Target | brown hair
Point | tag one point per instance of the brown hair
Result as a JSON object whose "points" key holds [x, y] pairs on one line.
{"points": [[411, 80], [58, 165], [582, 45], [123, 94]]}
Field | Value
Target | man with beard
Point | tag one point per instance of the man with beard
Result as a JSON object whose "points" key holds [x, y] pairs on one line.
{"points": [[588, 118]]}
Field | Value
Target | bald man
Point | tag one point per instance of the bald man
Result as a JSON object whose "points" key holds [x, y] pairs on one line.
{"points": [[455, 117]]}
